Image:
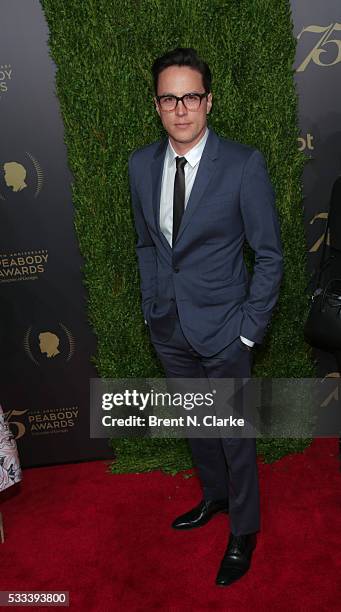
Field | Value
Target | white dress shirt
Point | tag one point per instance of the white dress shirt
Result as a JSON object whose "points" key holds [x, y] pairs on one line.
{"points": [[193, 157]]}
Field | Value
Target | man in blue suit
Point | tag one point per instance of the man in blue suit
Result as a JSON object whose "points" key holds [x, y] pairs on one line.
{"points": [[196, 198]]}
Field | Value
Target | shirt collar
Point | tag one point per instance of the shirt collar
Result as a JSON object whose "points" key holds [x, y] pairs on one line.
{"points": [[193, 156]]}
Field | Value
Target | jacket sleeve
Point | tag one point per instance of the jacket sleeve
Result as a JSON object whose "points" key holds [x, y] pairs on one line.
{"points": [[262, 232], [145, 248]]}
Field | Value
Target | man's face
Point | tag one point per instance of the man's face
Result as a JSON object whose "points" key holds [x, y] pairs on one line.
{"points": [[184, 127]]}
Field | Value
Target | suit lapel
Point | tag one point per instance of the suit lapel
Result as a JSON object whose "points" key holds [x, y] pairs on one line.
{"points": [[204, 175], [157, 170]]}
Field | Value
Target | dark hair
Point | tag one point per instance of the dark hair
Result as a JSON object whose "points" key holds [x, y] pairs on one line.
{"points": [[182, 56]]}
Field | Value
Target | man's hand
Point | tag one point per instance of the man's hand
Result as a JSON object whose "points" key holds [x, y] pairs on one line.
{"points": [[248, 343]]}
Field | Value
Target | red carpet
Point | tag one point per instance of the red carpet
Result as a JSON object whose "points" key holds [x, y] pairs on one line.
{"points": [[106, 538]]}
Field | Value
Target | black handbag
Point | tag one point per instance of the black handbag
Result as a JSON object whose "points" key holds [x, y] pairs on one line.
{"points": [[323, 326]]}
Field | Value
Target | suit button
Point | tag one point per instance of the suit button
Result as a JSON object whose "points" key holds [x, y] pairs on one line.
{"points": [[176, 269]]}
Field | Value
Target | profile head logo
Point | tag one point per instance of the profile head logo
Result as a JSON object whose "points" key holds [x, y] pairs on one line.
{"points": [[15, 175], [20, 175], [48, 344]]}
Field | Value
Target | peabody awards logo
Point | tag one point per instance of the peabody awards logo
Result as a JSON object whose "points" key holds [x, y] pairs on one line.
{"points": [[21, 175], [53, 420], [325, 47], [24, 265], [49, 345], [39, 422], [5, 78]]}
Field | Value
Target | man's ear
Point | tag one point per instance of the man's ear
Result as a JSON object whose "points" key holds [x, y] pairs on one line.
{"points": [[156, 105], [209, 103]]}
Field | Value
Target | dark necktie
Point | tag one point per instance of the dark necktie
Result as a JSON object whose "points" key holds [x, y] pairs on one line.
{"points": [[179, 195]]}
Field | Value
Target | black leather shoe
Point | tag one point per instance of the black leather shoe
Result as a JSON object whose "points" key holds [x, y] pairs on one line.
{"points": [[237, 558], [201, 514]]}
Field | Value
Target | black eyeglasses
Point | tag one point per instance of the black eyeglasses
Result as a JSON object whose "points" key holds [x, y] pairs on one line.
{"points": [[191, 101]]}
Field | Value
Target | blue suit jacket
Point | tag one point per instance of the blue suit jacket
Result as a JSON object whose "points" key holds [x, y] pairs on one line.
{"points": [[204, 275]]}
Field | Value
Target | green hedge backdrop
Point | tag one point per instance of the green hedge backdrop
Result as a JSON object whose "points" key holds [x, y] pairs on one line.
{"points": [[103, 50]]}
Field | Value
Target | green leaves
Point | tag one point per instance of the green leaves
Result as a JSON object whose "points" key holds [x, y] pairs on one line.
{"points": [[104, 50]]}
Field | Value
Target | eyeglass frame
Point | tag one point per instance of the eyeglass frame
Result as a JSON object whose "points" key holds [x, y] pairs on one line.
{"points": [[201, 95]]}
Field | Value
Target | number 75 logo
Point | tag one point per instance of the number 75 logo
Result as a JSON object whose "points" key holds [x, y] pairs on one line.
{"points": [[322, 45]]}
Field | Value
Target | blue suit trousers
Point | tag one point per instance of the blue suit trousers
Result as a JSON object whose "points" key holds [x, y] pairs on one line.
{"points": [[227, 466]]}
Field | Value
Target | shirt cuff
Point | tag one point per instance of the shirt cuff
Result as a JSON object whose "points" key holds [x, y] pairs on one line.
{"points": [[246, 341]]}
